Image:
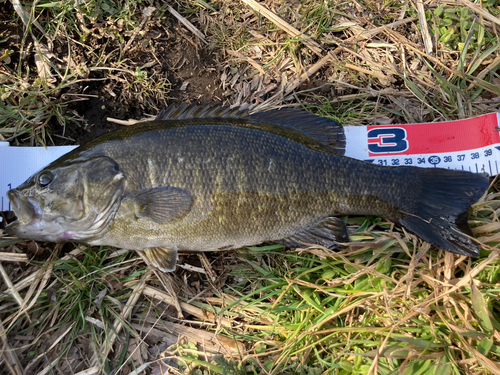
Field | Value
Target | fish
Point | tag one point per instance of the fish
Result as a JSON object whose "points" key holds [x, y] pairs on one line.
{"points": [[211, 178]]}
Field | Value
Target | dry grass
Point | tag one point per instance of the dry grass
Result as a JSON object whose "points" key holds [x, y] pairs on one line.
{"points": [[388, 304]]}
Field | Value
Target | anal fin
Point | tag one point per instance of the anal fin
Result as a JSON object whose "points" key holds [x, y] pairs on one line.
{"points": [[163, 259], [329, 233]]}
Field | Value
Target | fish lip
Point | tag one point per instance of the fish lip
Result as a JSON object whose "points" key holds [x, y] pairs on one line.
{"points": [[25, 209], [14, 198], [29, 223]]}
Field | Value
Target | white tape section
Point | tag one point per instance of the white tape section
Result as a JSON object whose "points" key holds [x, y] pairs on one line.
{"points": [[470, 144]]}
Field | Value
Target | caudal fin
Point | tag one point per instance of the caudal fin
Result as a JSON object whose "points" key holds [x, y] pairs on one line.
{"points": [[441, 215]]}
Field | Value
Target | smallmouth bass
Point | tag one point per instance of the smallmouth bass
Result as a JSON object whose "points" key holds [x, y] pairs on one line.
{"points": [[208, 178]]}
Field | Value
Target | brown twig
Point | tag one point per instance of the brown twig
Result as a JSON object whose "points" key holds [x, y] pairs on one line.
{"points": [[9, 355], [424, 29], [188, 24], [124, 316], [254, 63], [146, 13], [190, 309], [292, 31], [13, 257]]}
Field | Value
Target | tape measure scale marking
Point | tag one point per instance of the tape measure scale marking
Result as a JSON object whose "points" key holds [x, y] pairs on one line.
{"points": [[470, 144]]}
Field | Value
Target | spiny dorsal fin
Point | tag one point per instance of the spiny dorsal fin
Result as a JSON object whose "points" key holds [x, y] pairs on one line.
{"points": [[187, 111], [321, 129]]}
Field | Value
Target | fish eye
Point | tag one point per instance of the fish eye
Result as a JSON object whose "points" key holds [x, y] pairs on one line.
{"points": [[44, 179]]}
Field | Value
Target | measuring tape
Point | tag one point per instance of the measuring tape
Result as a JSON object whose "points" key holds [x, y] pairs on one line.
{"points": [[471, 145]]}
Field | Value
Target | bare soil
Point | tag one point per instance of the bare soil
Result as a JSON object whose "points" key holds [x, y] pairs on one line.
{"points": [[166, 51]]}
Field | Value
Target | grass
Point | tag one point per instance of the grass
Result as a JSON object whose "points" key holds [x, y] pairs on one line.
{"points": [[388, 304], [33, 100]]}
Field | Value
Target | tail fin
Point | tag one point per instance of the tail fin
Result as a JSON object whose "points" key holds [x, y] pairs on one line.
{"points": [[443, 209]]}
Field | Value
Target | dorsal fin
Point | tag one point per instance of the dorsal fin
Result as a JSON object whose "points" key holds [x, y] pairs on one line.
{"points": [[327, 132], [322, 129], [186, 111]]}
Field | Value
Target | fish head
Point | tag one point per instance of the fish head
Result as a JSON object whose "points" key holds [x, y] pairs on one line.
{"points": [[70, 200]]}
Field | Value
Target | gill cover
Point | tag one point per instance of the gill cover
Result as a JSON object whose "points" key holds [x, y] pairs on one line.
{"points": [[74, 201]]}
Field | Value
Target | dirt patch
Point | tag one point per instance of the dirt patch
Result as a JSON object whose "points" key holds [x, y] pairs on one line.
{"points": [[192, 73], [193, 77], [164, 64]]}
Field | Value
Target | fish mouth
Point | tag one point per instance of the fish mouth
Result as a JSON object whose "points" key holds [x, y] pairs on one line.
{"points": [[25, 210]]}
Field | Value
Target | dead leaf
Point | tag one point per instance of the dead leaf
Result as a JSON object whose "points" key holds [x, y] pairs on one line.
{"points": [[160, 369], [100, 297]]}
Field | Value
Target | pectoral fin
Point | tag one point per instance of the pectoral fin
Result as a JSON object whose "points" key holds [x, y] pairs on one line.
{"points": [[161, 204], [328, 233], [163, 259]]}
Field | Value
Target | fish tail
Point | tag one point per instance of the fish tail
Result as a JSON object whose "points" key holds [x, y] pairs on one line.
{"points": [[441, 212]]}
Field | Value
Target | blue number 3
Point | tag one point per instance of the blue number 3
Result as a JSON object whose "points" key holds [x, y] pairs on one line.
{"points": [[387, 140]]}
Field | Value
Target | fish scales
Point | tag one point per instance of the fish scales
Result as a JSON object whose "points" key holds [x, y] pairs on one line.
{"points": [[279, 189], [202, 184]]}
